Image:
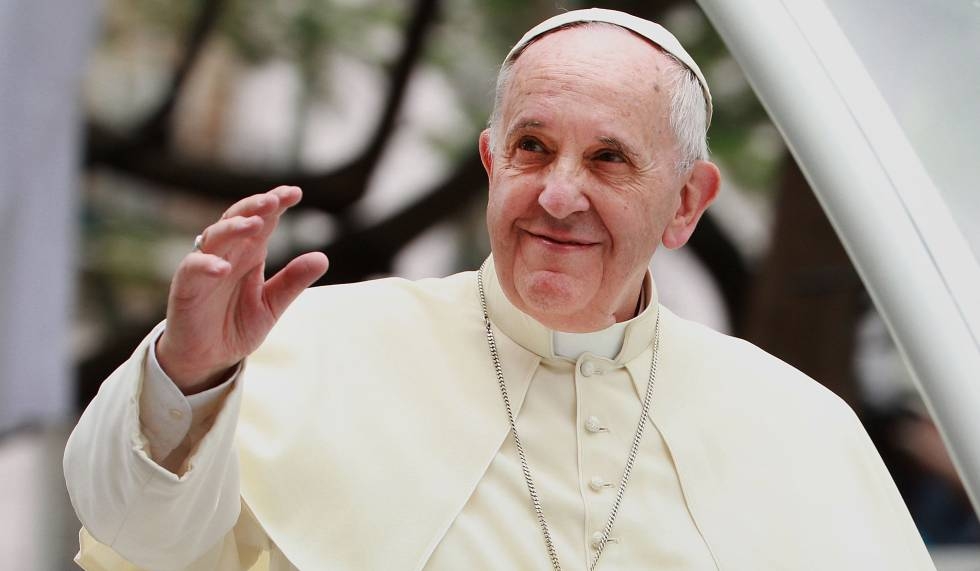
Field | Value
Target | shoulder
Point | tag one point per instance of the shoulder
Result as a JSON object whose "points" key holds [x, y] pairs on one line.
{"points": [[380, 305], [741, 378], [751, 434], [383, 294]]}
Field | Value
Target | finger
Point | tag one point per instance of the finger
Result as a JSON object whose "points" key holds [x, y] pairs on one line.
{"points": [[285, 197], [221, 236], [288, 196], [196, 275], [257, 204], [289, 282]]}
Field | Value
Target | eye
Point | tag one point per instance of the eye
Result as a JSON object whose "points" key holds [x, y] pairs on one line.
{"points": [[610, 157], [530, 145]]}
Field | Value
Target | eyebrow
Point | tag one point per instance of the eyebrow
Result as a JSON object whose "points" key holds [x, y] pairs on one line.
{"points": [[618, 145], [523, 126]]}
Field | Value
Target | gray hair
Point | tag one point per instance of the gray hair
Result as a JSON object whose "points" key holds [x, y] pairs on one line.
{"points": [[688, 108]]}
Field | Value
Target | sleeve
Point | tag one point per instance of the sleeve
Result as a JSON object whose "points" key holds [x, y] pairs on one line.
{"points": [[147, 514], [245, 547], [172, 422]]}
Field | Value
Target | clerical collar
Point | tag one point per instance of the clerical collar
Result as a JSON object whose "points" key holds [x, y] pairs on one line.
{"points": [[605, 343], [620, 342]]}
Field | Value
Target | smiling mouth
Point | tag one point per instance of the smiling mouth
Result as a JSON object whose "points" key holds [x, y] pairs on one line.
{"points": [[567, 242]]}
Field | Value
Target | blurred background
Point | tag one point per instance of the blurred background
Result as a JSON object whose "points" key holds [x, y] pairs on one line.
{"points": [[128, 126]]}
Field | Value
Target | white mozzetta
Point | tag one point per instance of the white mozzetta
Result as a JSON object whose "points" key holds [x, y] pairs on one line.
{"points": [[372, 436]]}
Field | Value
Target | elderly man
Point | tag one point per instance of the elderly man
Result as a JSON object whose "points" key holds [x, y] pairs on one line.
{"points": [[542, 412]]}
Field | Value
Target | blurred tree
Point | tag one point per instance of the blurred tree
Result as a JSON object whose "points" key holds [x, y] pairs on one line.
{"points": [[806, 297]]}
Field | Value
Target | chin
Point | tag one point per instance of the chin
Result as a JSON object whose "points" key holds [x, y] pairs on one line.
{"points": [[552, 294]]}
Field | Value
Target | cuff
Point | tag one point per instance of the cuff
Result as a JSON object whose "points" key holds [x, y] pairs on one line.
{"points": [[166, 415]]}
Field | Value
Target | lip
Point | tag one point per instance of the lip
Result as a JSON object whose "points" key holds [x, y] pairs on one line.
{"points": [[560, 241]]}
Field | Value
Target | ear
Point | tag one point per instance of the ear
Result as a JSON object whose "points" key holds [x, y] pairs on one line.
{"points": [[486, 153], [697, 194]]}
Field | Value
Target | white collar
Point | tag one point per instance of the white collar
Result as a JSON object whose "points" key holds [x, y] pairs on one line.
{"points": [[605, 343], [620, 342]]}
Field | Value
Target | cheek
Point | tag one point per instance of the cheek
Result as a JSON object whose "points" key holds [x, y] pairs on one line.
{"points": [[507, 202], [500, 216], [637, 227]]}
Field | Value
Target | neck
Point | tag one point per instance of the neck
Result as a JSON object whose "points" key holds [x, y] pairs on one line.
{"points": [[606, 342], [587, 322], [630, 334]]}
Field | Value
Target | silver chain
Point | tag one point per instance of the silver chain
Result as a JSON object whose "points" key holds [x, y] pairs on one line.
{"points": [[630, 460]]}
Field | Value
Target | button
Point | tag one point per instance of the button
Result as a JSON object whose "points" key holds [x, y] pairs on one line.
{"points": [[598, 484], [592, 424], [597, 540], [176, 414], [588, 368]]}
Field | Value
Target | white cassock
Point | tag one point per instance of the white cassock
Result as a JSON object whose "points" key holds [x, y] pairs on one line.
{"points": [[368, 433]]}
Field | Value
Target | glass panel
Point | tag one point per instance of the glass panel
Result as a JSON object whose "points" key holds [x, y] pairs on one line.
{"points": [[924, 57]]}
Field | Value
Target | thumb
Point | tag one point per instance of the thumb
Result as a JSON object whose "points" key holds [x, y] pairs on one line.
{"points": [[289, 282]]}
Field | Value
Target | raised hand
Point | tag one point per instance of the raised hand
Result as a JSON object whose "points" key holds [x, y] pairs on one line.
{"points": [[221, 307]]}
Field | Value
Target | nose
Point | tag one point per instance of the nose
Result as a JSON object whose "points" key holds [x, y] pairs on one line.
{"points": [[563, 193]]}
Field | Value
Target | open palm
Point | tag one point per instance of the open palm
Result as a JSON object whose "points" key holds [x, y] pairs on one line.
{"points": [[221, 307]]}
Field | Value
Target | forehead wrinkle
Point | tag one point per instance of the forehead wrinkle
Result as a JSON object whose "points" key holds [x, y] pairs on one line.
{"points": [[596, 51], [564, 68], [552, 81], [555, 78]]}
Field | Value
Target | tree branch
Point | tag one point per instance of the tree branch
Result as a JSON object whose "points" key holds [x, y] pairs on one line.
{"points": [[371, 251], [331, 191], [155, 128], [423, 18], [144, 154]]}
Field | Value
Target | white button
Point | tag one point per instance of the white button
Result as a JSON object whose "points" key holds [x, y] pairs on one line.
{"points": [[592, 424], [588, 368], [597, 539], [598, 484], [176, 414]]}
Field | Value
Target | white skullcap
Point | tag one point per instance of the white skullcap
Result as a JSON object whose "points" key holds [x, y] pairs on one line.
{"points": [[645, 28]]}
